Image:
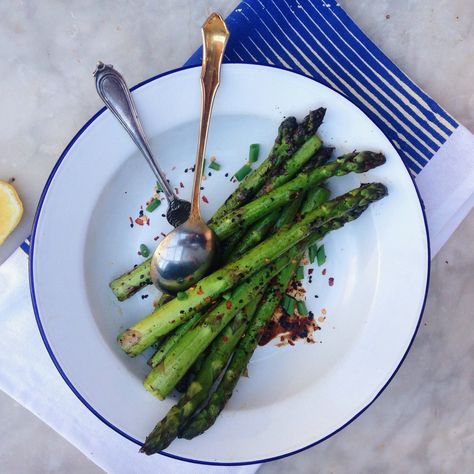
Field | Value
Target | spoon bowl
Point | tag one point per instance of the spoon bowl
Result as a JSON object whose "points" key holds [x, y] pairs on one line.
{"points": [[184, 256]]}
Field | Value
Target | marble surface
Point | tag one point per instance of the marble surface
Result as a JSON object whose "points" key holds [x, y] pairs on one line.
{"points": [[424, 421]]}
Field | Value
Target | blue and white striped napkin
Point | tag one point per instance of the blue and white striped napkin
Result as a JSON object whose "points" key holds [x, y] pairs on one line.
{"points": [[313, 37]]}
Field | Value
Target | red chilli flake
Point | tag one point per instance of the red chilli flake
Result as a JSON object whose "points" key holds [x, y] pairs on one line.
{"points": [[323, 272], [181, 184], [163, 234], [199, 291], [156, 237], [228, 304], [331, 281], [204, 198], [176, 190], [139, 221], [225, 338]]}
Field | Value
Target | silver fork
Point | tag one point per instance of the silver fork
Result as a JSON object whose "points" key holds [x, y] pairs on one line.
{"points": [[113, 90]]}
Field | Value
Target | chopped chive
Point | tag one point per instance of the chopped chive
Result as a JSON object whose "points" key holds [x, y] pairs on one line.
{"points": [[159, 189], [215, 166], [153, 205], [144, 250], [243, 172], [254, 151], [299, 273], [181, 296], [302, 309], [321, 256], [290, 308], [284, 302], [312, 250], [203, 164]]}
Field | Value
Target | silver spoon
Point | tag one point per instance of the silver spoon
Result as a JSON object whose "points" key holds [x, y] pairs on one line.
{"points": [[188, 253], [113, 90]]}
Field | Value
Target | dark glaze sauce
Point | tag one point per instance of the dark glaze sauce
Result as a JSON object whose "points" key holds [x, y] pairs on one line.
{"points": [[289, 327]]}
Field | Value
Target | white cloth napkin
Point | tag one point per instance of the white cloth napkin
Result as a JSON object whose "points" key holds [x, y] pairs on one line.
{"points": [[446, 186]]}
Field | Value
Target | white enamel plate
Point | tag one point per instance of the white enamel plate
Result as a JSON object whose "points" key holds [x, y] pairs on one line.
{"points": [[293, 397]]}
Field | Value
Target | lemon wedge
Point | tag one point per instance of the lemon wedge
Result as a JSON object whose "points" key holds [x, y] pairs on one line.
{"points": [[11, 210]]}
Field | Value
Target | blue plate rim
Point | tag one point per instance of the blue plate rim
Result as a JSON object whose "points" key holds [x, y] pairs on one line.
{"points": [[71, 385]]}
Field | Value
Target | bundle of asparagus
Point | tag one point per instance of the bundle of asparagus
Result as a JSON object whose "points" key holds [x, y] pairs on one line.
{"points": [[277, 211]]}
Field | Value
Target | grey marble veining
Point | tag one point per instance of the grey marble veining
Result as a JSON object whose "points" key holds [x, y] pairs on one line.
{"points": [[424, 421]]}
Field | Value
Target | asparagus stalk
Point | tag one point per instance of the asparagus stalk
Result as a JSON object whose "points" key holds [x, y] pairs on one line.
{"points": [[247, 345], [129, 283], [190, 375], [163, 378], [163, 320], [164, 298], [290, 137], [231, 244], [241, 241], [313, 199], [293, 165], [257, 233], [253, 236], [171, 341], [196, 393], [254, 210]]}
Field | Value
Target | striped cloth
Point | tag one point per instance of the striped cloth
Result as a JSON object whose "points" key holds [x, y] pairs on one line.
{"points": [[319, 39]]}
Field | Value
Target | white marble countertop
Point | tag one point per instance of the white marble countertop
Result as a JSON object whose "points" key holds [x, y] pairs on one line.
{"points": [[424, 421]]}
